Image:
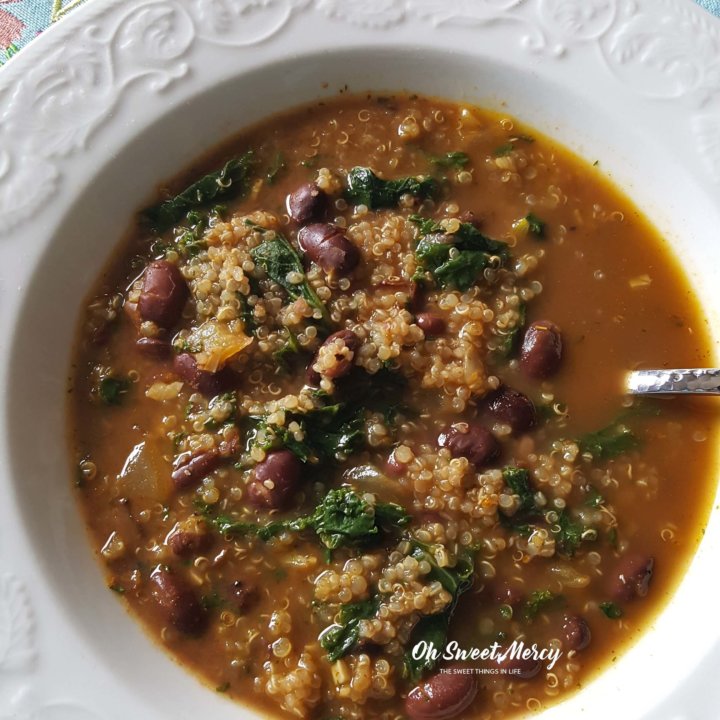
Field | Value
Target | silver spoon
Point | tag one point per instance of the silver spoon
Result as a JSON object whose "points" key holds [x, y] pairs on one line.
{"points": [[689, 381]]}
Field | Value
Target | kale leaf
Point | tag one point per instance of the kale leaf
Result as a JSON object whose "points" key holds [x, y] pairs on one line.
{"points": [[518, 480], [535, 225], [329, 432], [568, 533], [611, 610], [229, 181], [431, 629], [434, 628], [246, 313], [510, 343], [339, 638], [457, 259], [278, 258], [612, 441], [289, 349], [334, 430], [538, 600], [593, 497], [364, 187], [452, 159], [112, 389], [343, 518]]}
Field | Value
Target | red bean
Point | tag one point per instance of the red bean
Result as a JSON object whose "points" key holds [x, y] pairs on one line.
{"points": [[163, 295], [512, 408], [631, 578], [242, 596], [394, 467], [576, 632], [275, 480], [154, 347], [178, 601], [327, 246], [430, 323], [307, 203], [472, 441], [208, 383], [191, 470], [441, 696], [186, 543], [541, 350], [344, 364]]}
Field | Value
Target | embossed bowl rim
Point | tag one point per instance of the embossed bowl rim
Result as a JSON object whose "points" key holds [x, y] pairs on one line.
{"points": [[117, 97]]}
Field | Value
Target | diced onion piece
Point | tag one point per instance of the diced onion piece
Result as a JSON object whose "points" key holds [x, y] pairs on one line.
{"points": [[469, 118], [521, 228], [570, 577], [146, 475], [219, 344], [164, 391], [641, 281], [114, 548]]}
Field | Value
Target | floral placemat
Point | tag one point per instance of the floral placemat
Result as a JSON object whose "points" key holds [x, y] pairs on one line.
{"points": [[21, 21]]}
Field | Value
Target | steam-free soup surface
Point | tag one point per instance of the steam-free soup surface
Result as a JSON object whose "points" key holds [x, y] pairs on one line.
{"points": [[360, 390]]}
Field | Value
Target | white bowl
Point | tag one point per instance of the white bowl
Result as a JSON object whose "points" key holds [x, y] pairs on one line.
{"points": [[116, 98]]}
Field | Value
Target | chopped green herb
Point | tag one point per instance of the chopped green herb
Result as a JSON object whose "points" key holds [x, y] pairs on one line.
{"points": [[113, 389], [503, 150], [223, 688], [452, 159], [535, 225], [159, 247], [276, 167], [611, 610], [613, 537], [364, 187], [279, 259], [457, 259], [342, 636], [510, 343], [247, 313], [190, 239], [289, 349], [593, 498], [508, 147], [613, 440], [231, 180], [518, 480], [212, 601], [538, 601], [568, 533], [116, 588], [545, 412]]}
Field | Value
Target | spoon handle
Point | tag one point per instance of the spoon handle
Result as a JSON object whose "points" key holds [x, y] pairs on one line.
{"points": [[691, 381]]}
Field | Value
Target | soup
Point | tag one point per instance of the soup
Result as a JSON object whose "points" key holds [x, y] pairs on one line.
{"points": [[349, 420]]}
